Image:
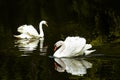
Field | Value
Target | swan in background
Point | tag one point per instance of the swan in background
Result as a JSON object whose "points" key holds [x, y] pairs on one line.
{"points": [[72, 66], [28, 31], [72, 46]]}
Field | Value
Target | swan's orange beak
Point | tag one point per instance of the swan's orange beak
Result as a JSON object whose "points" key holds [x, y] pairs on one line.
{"points": [[55, 48], [46, 24]]}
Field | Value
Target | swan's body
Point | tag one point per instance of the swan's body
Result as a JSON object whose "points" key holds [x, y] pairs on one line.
{"points": [[72, 46], [28, 31]]}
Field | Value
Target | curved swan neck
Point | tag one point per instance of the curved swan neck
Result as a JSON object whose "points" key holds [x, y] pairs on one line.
{"points": [[62, 48], [41, 29], [59, 52]]}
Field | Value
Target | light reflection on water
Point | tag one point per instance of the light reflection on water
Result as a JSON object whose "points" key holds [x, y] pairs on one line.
{"points": [[69, 65], [30, 45], [72, 66]]}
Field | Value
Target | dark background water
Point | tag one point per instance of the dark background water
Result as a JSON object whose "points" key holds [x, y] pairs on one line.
{"points": [[97, 20]]}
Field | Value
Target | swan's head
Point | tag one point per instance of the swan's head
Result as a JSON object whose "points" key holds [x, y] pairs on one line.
{"points": [[58, 44], [44, 22]]}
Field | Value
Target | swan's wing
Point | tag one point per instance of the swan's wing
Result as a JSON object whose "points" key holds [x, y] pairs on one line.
{"points": [[74, 45], [21, 29], [71, 47], [23, 36], [29, 29]]}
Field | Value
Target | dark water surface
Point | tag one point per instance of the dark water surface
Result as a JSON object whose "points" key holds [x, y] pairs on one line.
{"points": [[23, 62]]}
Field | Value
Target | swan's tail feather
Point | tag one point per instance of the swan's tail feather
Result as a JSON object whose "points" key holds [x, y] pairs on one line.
{"points": [[17, 36], [87, 46], [87, 52]]}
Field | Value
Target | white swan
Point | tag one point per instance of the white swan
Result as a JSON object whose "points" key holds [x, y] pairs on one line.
{"points": [[72, 46], [72, 66], [28, 31]]}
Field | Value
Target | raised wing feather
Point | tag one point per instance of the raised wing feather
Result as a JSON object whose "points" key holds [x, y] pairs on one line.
{"points": [[74, 45], [28, 29]]}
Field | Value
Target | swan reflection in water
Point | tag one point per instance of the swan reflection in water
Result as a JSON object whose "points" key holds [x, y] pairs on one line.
{"points": [[29, 45], [72, 66]]}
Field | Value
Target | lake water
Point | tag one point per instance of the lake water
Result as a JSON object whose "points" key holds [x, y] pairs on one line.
{"points": [[32, 60]]}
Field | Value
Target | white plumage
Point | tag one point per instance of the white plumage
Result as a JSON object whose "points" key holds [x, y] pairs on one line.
{"points": [[72, 46], [28, 31]]}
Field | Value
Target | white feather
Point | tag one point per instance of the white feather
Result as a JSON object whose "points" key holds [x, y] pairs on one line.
{"points": [[72, 46], [28, 31]]}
